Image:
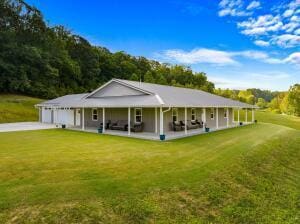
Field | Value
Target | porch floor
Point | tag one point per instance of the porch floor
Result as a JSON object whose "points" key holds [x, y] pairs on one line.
{"points": [[154, 136]]}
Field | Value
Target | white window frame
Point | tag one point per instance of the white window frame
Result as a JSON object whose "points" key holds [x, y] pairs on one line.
{"points": [[93, 110], [193, 114], [225, 113], [135, 115], [174, 114], [212, 112]]}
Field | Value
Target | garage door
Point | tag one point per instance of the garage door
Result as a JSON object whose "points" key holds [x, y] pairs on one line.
{"points": [[46, 115], [65, 116]]}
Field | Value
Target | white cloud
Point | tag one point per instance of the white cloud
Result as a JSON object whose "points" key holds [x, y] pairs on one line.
{"points": [[293, 58], [222, 58], [201, 55], [262, 43], [288, 13], [246, 80], [260, 26], [233, 8], [279, 27], [286, 40], [253, 5]]}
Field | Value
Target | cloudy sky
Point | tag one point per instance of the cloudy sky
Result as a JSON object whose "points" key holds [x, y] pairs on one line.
{"points": [[238, 43]]}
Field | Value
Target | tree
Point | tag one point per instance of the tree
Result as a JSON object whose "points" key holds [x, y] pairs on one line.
{"points": [[294, 100], [261, 103]]}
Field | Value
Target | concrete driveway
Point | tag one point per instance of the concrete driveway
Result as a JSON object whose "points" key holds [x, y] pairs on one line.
{"points": [[24, 126]]}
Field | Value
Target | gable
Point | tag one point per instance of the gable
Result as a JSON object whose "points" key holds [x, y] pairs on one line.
{"points": [[116, 89]]}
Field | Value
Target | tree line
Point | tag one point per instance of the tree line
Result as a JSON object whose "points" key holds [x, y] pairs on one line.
{"points": [[278, 102], [44, 61], [47, 62]]}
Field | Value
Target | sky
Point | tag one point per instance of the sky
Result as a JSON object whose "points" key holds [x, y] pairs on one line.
{"points": [[239, 44]]}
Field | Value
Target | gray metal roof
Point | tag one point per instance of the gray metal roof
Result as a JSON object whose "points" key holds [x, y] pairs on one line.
{"points": [[158, 95]]}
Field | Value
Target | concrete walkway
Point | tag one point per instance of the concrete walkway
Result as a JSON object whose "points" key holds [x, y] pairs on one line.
{"points": [[25, 126]]}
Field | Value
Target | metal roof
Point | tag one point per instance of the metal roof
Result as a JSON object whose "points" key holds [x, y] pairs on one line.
{"points": [[158, 95]]}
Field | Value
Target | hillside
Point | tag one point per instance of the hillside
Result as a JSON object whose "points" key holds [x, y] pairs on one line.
{"points": [[17, 108]]}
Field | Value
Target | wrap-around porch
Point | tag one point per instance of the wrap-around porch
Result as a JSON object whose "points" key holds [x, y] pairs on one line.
{"points": [[156, 123]]}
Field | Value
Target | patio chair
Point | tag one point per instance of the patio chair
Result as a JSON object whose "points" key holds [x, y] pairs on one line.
{"points": [[119, 125], [200, 123], [137, 127], [176, 126]]}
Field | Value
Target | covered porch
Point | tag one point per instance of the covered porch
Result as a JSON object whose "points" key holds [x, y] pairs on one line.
{"points": [[156, 121]]}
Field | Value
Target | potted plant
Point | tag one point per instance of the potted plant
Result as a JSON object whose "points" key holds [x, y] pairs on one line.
{"points": [[100, 130], [241, 123], [162, 137], [63, 126]]}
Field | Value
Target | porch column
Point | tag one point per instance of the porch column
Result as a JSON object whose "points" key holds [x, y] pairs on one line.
{"points": [[161, 121], [246, 116], [238, 120], [204, 118], [103, 120], [40, 115], [155, 120], [217, 118], [252, 115], [185, 121], [129, 121], [82, 119], [227, 113]]}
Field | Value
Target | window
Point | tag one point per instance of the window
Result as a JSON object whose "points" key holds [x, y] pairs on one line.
{"points": [[94, 114], [174, 114], [212, 114], [138, 115], [225, 113], [193, 114]]}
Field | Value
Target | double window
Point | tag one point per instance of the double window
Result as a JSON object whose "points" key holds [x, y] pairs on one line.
{"points": [[212, 114], [94, 114], [138, 115], [193, 114], [174, 114]]}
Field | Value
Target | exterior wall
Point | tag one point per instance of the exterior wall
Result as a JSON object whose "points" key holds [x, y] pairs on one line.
{"points": [[148, 117], [115, 114]]}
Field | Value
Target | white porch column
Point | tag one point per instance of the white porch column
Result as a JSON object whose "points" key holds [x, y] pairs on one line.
{"points": [[185, 120], [129, 121], [82, 119], [238, 120], [246, 116], [217, 118], [161, 121], [227, 115], [40, 115], [155, 119], [103, 120], [204, 118], [253, 115]]}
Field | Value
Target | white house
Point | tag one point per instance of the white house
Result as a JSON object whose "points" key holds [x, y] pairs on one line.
{"points": [[143, 110]]}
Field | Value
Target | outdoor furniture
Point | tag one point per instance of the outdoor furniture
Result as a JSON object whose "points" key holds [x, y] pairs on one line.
{"points": [[107, 125], [119, 125], [137, 127], [176, 126], [199, 123], [190, 124]]}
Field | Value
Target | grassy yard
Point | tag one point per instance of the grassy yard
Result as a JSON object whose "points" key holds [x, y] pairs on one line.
{"points": [[242, 175], [16, 108]]}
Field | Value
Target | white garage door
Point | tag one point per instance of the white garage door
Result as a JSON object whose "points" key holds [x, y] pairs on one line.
{"points": [[46, 115], [64, 116]]}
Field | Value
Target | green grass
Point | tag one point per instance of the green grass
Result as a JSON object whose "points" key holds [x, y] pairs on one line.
{"points": [[17, 108], [268, 117], [240, 175]]}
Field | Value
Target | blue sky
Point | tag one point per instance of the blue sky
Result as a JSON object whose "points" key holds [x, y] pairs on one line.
{"points": [[238, 43]]}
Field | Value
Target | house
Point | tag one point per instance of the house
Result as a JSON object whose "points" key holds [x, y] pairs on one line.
{"points": [[144, 110]]}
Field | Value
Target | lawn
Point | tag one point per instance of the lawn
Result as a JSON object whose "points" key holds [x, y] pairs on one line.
{"points": [[16, 108], [240, 175]]}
